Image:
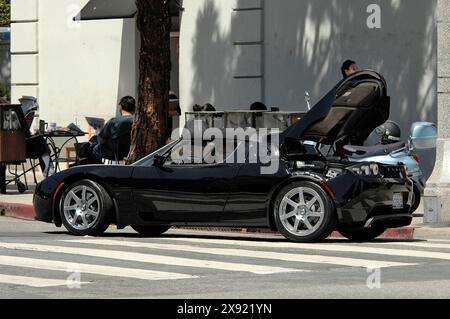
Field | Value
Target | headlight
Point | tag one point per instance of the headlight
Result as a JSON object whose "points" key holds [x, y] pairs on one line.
{"points": [[371, 169]]}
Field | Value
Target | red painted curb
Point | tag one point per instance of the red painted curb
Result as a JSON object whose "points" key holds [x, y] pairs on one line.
{"points": [[17, 210], [400, 233]]}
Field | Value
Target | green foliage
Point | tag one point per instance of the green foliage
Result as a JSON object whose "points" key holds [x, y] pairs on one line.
{"points": [[5, 13], [5, 93]]}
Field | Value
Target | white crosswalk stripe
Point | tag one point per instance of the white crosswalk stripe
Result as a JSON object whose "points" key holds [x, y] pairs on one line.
{"points": [[150, 258], [330, 247], [110, 271], [258, 257], [420, 244], [31, 281], [343, 261]]}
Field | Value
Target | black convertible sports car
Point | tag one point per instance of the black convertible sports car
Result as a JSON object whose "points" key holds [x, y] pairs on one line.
{"points": [[314, 190]]}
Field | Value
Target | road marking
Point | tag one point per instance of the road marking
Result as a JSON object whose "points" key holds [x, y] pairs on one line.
{"points": [[90, 268], [420, 244], [343, 261], [150, 258], [351, 248], [31, 281]]}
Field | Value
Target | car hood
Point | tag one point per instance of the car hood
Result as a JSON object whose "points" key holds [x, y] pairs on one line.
{"points": [[347, 113], [101, 171]]}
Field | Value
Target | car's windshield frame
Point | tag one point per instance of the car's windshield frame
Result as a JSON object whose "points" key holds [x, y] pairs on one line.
{"points": [[148, 160]]}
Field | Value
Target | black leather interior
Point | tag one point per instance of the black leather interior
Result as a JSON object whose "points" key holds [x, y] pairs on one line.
{"points": [[368, 151]]}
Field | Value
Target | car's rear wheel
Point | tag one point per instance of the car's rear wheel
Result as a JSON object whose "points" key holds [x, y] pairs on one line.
{"points": [[304, 212], [151, 231], [86, 208], [363, 234]]}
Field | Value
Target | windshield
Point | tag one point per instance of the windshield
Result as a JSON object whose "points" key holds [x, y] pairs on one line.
{"points": [[148, 160]]}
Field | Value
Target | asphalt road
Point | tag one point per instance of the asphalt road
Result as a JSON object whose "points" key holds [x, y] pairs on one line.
{"points": [[40, 261]]}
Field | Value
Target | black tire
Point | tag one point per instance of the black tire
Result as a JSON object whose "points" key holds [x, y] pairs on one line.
{"points": [[103, 206], [321, 230], [416, 201], [150, 231], [363, 234]]}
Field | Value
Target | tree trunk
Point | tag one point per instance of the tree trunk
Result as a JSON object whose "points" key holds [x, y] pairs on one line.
{"points": [[150, 125]]}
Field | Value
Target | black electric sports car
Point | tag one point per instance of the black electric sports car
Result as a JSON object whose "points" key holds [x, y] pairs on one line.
{"points": [[313, 191]]}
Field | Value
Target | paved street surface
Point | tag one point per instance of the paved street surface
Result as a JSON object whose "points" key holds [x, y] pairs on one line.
{"points": [[40, 261]]}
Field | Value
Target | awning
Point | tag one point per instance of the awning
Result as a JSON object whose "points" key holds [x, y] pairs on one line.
{"points": [[117, 9], [107, 9]]}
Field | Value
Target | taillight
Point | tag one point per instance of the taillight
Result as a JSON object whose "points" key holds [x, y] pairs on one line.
{"points": [[416, 158]]}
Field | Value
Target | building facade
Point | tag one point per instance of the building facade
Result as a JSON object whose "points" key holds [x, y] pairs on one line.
{"points": [[229, 53]]}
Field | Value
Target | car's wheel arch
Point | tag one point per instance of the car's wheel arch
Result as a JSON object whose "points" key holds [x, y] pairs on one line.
{"points": [[70, 181], [299, 177]]}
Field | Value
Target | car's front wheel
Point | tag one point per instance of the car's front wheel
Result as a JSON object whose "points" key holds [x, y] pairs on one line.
{"points": [[86, 208], [150, 231], [304, 212], [363, 234]]}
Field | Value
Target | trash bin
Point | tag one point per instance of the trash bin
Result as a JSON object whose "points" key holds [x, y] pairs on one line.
{"points": [[12, 134]]}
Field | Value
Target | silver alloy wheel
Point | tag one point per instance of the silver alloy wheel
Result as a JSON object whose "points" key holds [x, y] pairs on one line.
{"points": [[81, 207], [302, 211]]}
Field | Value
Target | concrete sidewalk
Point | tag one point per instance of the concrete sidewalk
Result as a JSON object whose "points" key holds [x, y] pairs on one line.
{"points": [[17, 205]]}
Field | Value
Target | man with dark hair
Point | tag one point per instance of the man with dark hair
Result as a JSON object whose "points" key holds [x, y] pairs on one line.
{"points": [[104, 144], [348, 68], [115, 128], [208, 107], [258, 106]]}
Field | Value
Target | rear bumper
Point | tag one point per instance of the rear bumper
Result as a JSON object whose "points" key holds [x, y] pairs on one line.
{"points": [[365, 202], [389, 221]]}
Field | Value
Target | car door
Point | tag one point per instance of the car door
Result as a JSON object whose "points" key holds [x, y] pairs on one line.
{"points": [[248, 199], [187, 191]]}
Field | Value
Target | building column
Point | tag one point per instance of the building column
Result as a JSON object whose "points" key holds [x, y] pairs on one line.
{"points": [[24, 49], [437, 191]]}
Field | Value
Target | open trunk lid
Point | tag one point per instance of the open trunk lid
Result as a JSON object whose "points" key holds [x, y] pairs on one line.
{"points": [[347, 114]]}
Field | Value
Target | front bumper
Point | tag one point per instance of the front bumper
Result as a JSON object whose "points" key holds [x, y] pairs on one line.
{"points": [[43, 201], [363, 202]]}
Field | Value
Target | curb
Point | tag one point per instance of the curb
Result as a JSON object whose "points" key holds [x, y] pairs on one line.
{"points": [[24, 211], [15, 210], [391, 233]]}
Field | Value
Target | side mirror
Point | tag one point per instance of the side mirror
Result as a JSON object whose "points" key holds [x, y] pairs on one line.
{"points": [[158, 160], [423, 135]]}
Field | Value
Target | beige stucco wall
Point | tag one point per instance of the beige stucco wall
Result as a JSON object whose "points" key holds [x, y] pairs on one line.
{"points": [[287, 47], [75, 69]]}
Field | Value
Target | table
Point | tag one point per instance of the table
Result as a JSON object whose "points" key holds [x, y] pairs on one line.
{"points": [[55, 151]]}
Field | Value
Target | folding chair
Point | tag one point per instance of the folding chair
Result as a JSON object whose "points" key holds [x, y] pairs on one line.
{"points": [[121, 148]]}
